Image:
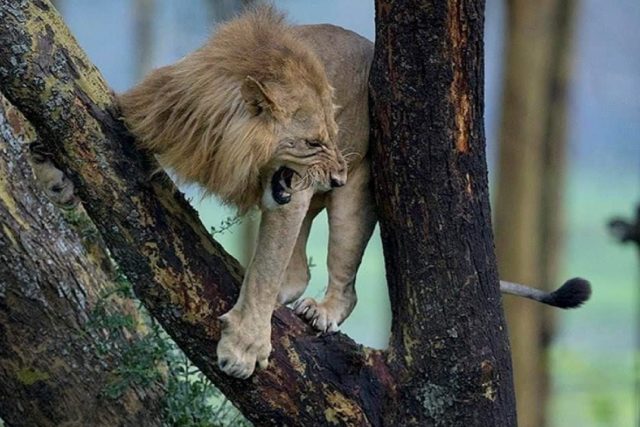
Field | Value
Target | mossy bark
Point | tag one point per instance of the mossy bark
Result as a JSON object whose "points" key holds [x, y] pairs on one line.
{"points": [[55, 368], [448, 361], [182, 275]]}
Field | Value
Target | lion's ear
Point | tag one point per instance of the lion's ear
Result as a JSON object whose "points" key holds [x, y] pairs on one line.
{"points": [[256, 97]]}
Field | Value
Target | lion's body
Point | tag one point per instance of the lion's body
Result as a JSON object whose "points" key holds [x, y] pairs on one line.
{"points": [[193, 116], [221, 117], [252, 117]]}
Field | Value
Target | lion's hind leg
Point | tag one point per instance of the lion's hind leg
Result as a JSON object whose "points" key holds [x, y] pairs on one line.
{"points": [[352, 219], [298, 275]]}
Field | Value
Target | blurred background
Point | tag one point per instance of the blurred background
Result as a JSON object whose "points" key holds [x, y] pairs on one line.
{"points": [[563, 138]]}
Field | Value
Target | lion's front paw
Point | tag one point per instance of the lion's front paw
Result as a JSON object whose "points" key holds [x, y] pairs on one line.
{"points": [[324, 316], [242, 346]]}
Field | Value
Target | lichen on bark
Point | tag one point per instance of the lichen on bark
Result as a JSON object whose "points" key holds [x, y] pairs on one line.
{"points": [[447, 344], [51, 371], [183, 276]]}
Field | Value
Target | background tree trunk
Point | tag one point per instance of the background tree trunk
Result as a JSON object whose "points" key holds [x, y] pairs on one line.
{"points": [[628, 231], [530, 182], [55, 368], [553, 176], [143, 11], [448, 362], [223, 10]]}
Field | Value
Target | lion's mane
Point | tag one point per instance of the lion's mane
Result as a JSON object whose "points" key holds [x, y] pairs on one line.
{"points": [[192, 114]]}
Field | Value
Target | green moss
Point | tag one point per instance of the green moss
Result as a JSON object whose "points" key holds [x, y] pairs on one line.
{"points": [[30, 376]]}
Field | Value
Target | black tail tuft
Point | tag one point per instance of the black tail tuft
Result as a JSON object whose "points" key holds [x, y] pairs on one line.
{"points": [[572, 294]]}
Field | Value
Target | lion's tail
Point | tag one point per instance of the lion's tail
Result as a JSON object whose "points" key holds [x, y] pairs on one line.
{"points": [[572, 294]]}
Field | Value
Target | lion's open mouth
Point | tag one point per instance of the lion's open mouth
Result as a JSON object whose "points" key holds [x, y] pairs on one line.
{"points": [[281, 185]]}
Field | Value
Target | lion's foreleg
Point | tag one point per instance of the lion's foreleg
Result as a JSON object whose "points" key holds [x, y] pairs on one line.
{"points": [[352, 219], [246, 333]]}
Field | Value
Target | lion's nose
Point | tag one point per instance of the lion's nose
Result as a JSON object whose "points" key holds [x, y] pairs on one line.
{"points": [[339, 175], [338, 179], [337, 182]]}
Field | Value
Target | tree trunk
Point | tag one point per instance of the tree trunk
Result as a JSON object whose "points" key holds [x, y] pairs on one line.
{"points": [[553, 176], [448, 341], [144, 38], [448, 361], [627, 231], [222, 10], [54, 369], [530, 184]]}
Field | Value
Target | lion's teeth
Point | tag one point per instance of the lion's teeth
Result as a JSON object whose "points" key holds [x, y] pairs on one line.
{"points": [[284, 185]]}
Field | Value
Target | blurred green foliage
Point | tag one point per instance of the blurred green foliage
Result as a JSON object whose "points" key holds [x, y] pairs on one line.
{"points": [[191, 400]]}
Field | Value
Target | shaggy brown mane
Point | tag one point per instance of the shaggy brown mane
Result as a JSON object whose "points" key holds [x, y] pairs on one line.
{"points": [[192, 113]]}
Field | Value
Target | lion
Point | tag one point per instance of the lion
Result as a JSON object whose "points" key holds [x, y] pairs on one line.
{"points": [[275, 116]]}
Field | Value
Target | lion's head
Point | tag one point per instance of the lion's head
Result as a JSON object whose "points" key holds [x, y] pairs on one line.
{"points": [[250, 112]]}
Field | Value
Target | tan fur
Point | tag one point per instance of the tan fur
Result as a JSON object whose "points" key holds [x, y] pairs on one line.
{"points": [[246, 104], [257, 96], [193, 115]]}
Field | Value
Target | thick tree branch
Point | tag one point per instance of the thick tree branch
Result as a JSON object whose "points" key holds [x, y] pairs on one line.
{"points": [[182, 275], [448, 363]]}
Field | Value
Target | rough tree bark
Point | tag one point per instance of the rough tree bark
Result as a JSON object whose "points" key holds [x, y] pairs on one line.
{"points": [[530, 182], [448, 341], [52, 274], [448, 361]]}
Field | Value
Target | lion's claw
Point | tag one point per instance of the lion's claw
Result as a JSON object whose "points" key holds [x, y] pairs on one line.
{"points": [[242, 348], [319, 315]]}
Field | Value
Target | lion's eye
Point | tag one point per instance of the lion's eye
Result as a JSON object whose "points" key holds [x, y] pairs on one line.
{"points": [[313, 143]]}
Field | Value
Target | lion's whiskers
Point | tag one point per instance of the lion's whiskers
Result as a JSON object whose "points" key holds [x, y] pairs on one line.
{"points": [[313, 175], [350, 156]]}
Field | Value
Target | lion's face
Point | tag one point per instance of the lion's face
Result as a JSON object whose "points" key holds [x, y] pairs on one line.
{"points": [[305, 153]]}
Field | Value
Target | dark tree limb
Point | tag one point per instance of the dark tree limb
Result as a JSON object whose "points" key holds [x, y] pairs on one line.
{"points": [[448, 358], [182, 275]]}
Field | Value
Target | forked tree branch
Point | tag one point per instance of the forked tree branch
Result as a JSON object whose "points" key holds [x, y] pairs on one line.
{"points": [[448, 361], [182, 275]]}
